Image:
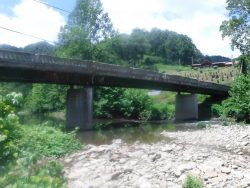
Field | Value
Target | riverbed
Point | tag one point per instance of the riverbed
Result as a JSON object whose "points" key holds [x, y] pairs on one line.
{"points": [[219, 155]]}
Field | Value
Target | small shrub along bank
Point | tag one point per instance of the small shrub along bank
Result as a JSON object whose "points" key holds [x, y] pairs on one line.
{"points": [[237, 105], [192, 182], [28, 153]]}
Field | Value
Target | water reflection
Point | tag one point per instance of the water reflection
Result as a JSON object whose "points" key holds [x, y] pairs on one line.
{"points": [[129, 132]]}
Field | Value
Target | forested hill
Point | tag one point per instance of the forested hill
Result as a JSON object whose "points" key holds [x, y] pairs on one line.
{"points": [[40, 47], [141, 48], [217, 58], [145, 48]]}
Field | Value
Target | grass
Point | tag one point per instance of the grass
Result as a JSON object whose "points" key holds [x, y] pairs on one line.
{"points": [[192, 182], [48, 141]]}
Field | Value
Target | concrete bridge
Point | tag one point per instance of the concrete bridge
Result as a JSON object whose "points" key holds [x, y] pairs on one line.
{"points": [[35, 68]]}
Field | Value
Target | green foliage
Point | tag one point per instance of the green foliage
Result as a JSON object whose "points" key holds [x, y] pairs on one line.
{"points": [[237, 105], [192, 182], [89, 17], [217, 110], [47, 141], [143, 49], [237, 27], [137, 104], [162, 111], [9, 127], [46, 98], [116, 103], [201, 125], [9, 135], [29, 172], [29, 145], [6, 88], [32, 168]]}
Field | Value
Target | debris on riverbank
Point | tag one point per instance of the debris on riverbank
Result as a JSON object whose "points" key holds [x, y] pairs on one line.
{"points": [[220, 156]]}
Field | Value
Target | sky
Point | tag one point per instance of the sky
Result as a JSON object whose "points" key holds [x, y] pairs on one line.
{"points": [[198, 19]]}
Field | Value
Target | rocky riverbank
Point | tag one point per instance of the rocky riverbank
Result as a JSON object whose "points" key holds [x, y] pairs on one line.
{"points": [[220, 156]]}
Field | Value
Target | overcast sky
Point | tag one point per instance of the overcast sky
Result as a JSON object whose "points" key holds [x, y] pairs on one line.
{"points": [[199, 19]]}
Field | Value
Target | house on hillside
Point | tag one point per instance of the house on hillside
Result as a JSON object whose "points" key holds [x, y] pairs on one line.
{"points": [[223, 64], [206, 63]]}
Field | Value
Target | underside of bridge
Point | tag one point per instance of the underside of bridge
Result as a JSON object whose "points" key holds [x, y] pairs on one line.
{"points": [[80, 108]]}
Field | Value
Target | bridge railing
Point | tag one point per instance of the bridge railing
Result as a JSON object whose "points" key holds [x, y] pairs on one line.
{"points": [[93, 68], [25, 57]]}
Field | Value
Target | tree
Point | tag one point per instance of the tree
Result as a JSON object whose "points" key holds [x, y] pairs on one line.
{"points": [[238, 25], [237, 105], [87, 25], [89, 17]]}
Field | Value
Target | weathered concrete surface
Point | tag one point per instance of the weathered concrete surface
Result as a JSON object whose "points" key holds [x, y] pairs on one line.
{"points": [[186, 107], [218, 155], [25, 67], [80, 108]]}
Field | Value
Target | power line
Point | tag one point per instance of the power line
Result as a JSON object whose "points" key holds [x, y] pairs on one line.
{"points": [[68, 12], [28, 35]]}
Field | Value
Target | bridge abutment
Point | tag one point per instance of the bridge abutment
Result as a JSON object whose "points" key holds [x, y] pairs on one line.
{"points": [[186, 107], [80, 108]]}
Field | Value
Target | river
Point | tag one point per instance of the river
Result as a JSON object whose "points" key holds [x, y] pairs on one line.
{"points": [[128, 131]]}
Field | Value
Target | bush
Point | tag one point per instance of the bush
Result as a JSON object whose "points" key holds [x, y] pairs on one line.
{"points": [[217, 110], [137, 104], [192, 182], [162, 111], [46, 98], [9, 127], [28, 172], [47, 141], [31, 146], [117, 103], [237, 105]]}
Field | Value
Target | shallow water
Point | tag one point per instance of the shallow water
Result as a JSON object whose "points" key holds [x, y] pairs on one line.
{"points": [[129, 132]]}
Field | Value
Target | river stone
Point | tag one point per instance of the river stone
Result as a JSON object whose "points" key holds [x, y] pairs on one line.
{"points": [[177, 173], [185, 167], [133, 166], [143, 183], [210, 174], [156, 157], [117, 142], [116, 175], [225, 170]]}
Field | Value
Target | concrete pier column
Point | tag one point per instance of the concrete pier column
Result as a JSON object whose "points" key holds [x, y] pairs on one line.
{"points": [[186, 107], [80, 108]]}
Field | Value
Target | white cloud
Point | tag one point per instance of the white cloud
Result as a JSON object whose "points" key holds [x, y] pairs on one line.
{"points": [[198, 19], [31, 18]]}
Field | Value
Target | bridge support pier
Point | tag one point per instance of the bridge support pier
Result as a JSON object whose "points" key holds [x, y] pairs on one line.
{"points": [[79, 108], [186, 107]]}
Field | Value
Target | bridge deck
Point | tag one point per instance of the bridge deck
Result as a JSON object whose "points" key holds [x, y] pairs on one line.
{"points": [[26, 67]]}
